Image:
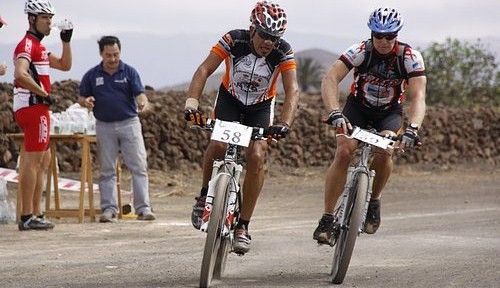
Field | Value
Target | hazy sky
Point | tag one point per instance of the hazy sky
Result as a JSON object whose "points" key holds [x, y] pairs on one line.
{"points": [[187, 29], [425, 20]]}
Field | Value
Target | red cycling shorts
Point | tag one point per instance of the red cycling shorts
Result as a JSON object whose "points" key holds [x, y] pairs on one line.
{"points": [[35, 123]]}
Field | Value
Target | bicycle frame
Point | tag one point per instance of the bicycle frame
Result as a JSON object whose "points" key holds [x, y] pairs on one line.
{"points": [[230, 167], [223, 198], [360, 167], [352, 207]]}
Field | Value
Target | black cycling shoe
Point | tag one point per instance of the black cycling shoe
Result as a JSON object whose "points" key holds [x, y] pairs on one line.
{"points": [[35, 223], [372, 221], [197, 212], [327, 230]]}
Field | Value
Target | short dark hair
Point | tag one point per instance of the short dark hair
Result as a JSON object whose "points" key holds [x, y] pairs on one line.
{"points": [[108, 40]]}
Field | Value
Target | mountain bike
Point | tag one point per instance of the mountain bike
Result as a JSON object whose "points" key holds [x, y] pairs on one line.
{"points": [[352, 206], [223, 199]]}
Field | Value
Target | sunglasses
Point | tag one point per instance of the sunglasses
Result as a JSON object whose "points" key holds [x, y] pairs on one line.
{"points": [[266, 36], [388, 36]]}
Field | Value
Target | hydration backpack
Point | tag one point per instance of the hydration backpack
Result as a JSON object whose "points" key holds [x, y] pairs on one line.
{"points": [[400, 66]]}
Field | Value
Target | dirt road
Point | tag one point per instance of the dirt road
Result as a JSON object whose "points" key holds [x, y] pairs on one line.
{"points": [[439, 229]]}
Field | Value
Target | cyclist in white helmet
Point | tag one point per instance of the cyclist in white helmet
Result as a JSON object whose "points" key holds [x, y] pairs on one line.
{"points": [[254, 58], [31, 106], [383, 68]]}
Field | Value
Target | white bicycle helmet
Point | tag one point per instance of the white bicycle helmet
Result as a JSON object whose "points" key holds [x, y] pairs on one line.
{"points": [[39, 7], [385, 20], [269, 18]]}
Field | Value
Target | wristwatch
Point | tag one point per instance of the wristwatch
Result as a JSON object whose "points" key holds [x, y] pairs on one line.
{"points": [[413, 126]]}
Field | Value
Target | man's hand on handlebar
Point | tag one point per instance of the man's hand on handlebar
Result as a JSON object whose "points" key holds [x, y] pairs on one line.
{"points": [[194, 116], [278, 131], [192, 113], [339, 121], [409, 139]]}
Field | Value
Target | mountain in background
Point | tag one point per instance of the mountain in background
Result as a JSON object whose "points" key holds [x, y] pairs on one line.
{"points": [[170, 61]]}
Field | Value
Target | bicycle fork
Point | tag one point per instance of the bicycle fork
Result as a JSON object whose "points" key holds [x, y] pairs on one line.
{"points": [[349, 193], [221, 168], [371, 176]]}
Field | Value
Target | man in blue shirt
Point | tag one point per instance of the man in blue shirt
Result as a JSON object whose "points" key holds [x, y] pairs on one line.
{"points": [[115, 92]]}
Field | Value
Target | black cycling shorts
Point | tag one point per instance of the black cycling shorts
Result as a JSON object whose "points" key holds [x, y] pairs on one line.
{"points": [[365, 117], [228, 108]]}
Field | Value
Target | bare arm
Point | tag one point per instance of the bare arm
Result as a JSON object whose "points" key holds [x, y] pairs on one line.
{"points": [[291, 87], [200, 77], [23, 77], [65, 61], [416, 109], [330, 85]]}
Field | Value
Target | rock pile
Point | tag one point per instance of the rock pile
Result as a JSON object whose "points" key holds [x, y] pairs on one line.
{"points": [[450, 135]]}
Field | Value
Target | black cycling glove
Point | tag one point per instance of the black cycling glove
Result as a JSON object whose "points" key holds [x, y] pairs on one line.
{"points": [[66, 35], [410, 138], [338, 120], [278, 131], [194, 116]]}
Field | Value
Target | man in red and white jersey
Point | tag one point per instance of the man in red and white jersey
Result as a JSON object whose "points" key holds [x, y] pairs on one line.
{"points": [[31, 106]]}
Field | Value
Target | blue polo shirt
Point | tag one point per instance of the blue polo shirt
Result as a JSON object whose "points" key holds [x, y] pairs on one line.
{"points": [[114, 94]]}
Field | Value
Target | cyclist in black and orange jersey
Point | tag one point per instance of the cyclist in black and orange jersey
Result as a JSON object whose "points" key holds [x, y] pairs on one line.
{"points": [[383, 67], [254, 58]]}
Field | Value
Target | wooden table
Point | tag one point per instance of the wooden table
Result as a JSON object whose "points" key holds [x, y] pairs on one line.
{"points": [[85, 177]]}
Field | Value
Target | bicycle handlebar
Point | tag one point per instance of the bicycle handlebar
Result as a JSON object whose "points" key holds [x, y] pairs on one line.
{"points": [[258, 133]]}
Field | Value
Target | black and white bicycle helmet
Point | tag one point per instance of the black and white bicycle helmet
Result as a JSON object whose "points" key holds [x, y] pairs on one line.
{"points": [[39, 7]]}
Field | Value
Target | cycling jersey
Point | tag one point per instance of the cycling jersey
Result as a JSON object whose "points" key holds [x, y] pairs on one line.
{"points": [[34, 51], [250, 78], [381, 83]]}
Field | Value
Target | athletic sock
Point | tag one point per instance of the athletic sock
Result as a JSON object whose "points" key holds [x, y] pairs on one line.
{"points": [[242, 224]]}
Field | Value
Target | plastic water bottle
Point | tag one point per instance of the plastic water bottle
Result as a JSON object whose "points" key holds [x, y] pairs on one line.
{"points": [[91, 124], [7, 213], [64, 24]]}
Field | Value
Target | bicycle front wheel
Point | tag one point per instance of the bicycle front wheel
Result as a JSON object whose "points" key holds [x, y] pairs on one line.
{"points": [[220, 262], [214, 231], [348, 234]]}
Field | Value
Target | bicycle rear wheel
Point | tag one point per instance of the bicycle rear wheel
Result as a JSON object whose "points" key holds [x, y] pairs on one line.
{"points": [[214, 231], [348, 234]]}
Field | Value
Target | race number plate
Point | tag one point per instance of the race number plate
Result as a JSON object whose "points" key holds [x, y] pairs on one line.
{"points": [[371, 138], [230, 132]]}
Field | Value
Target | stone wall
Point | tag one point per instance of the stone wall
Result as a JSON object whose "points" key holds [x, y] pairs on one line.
{"points": [[449, 135]]}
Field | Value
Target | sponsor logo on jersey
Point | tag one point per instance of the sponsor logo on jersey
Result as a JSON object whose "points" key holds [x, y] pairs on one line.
{"points": [[99, 81], [124, 80], [28, 45]]}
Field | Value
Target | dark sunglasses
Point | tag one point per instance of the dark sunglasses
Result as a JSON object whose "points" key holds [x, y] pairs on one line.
{"points": [[266, 36], [388, 36]]}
